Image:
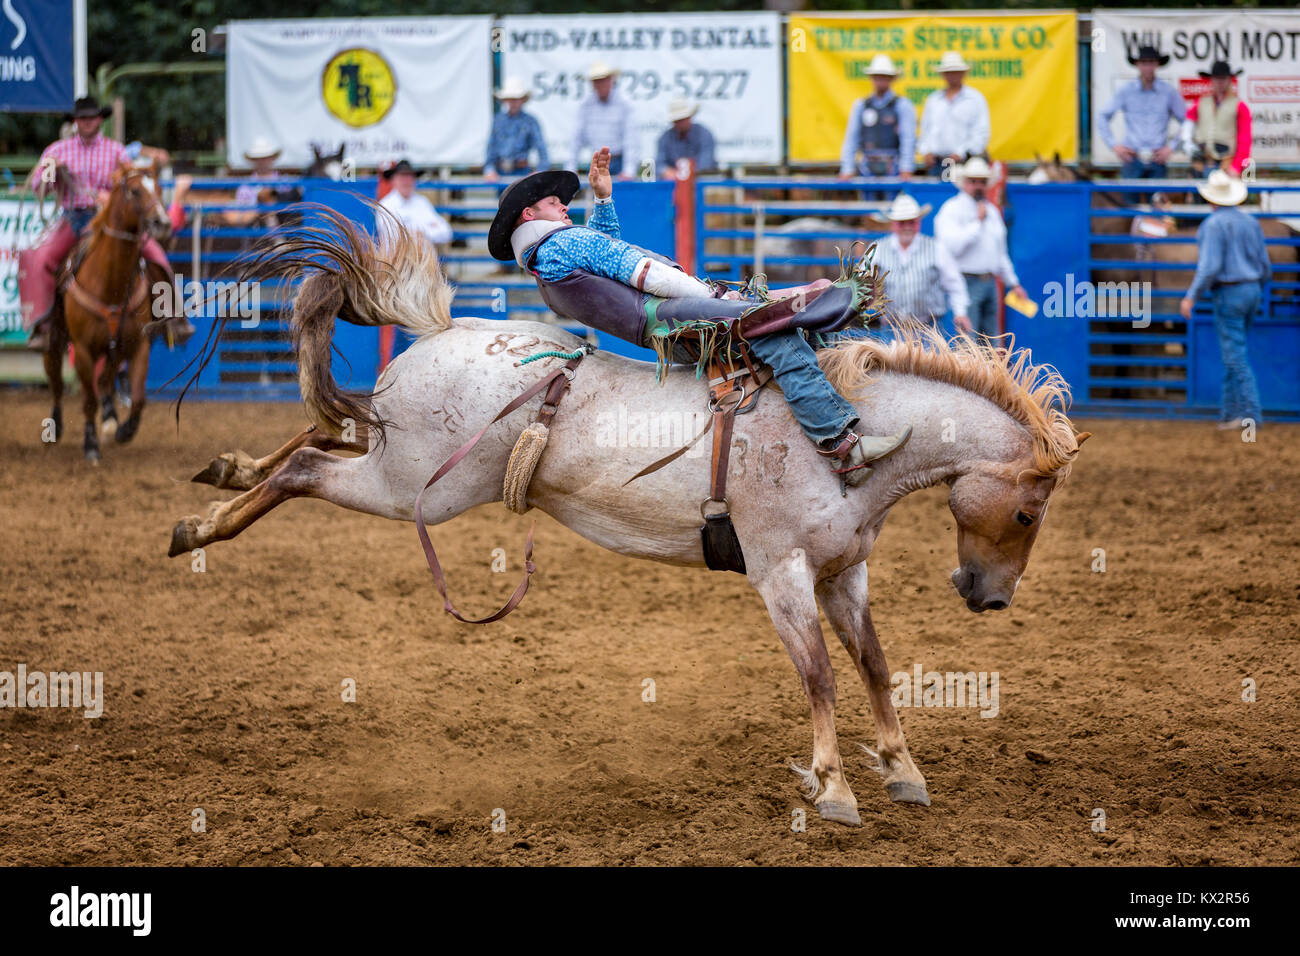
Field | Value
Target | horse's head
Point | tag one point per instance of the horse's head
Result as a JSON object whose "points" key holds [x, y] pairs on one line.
{"points": [[1054, 171], [999, 509], [327, 165], [134, 205]]}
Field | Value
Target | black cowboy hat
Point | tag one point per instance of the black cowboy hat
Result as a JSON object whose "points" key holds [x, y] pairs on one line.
{"points": [[1149, 53], [562, 183], [402, 166], [88, 106], [1220, 68]]}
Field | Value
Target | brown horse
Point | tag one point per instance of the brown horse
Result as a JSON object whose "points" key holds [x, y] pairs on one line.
{"points": [[106, 310]]}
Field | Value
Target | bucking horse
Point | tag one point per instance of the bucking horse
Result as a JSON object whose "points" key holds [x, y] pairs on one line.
{"points": [[986, 421]]}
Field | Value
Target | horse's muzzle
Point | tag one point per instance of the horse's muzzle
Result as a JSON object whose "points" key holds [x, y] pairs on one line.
{"points": [[967, 583]]}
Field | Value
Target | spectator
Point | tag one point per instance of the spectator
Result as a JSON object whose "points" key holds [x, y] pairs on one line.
{"points": [[1216, 132], [684, 139], [1148, 104], [972, 229], [955, 120], [515, 134], [262, 155], [605, 117], [411, 209], [922, 279], [880, 139], [1232, 262]]}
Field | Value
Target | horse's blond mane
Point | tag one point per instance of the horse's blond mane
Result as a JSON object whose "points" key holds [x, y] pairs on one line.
{"points": [[1036, 396]]}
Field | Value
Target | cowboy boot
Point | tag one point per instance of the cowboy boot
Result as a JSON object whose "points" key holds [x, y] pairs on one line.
{"points": [[851, 454], [38, 340]]}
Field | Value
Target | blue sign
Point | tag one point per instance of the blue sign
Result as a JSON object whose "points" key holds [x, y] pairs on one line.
{"points": [[36, 56]]}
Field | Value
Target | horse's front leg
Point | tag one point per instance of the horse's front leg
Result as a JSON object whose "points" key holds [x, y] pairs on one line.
{"points": [[844, 598], [85, 365], [104, 385], [138, 374], [240, 471], [788, 592], [53, 359]]}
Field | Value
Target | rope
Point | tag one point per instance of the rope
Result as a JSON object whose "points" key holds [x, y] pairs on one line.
{"points": [[577, 353]]}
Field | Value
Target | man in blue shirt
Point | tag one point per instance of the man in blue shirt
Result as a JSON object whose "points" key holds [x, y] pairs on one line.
{"points": [[532, 227], [1148, 104], [684, 139], [1232, 263], [515, 134]]}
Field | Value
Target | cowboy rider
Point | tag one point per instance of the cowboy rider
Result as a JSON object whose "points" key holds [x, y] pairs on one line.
{"points": [[532, 227], [92, 158]]}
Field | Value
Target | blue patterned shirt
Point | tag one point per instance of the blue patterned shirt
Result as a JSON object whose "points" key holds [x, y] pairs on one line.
{"points": [[594, 248], [513, 137], [1146, 115], [1231, 250]]}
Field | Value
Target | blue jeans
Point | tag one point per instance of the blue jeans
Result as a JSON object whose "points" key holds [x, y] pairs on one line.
{"points": [[79, 219], [1136, 169], [821, 411], [1234, 313], [983, 305]]}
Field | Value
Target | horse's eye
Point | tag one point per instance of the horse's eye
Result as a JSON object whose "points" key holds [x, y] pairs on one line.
{"points": [[1024, 519]]}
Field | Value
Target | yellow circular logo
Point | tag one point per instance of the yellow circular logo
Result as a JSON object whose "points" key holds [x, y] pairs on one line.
{"points": [[358, 87]]}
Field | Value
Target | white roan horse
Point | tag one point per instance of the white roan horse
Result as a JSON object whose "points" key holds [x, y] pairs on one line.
{"points": [[986, 422]]}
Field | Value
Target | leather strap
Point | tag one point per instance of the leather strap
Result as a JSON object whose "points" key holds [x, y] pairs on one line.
{"points": [[555, 384], [112, 314]]}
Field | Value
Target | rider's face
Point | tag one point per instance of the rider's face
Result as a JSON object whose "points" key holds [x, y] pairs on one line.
{"points": [[550, 209], [88, 126]]}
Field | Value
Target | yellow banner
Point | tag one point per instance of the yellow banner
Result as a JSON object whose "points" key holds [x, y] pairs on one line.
{"points": [[1025, 65]]}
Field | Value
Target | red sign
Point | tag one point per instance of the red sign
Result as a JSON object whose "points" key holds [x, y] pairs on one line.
{"points": [[1273, 89]]}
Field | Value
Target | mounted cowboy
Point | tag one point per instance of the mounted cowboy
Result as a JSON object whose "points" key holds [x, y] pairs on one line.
{"points": [[653, 303], [1216, 131], [91, 159]]}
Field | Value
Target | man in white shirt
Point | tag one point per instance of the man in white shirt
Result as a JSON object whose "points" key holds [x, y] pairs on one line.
{"points": [[605, 117], [955, 121], [921, 279], [972, 230], [410, 208]]}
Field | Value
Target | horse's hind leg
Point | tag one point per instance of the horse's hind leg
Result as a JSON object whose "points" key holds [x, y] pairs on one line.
{"points": [[240, 471], [844, 598], [53, 359], [139, 373], [353, 483], [788, 593]]}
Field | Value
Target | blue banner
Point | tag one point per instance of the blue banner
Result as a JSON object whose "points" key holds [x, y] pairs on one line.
{"points": [[36, 56]]}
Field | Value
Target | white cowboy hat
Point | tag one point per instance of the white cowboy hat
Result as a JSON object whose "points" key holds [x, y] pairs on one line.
{"points": [[882, 65], [974, 168], [600, 69], [512, 89], [902, 209], [952, 62], [1222, 189], [681, 108], [262, 148]]}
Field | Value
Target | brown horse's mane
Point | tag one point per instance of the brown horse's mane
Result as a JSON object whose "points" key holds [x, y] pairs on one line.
{"points": [[1036, 396]]}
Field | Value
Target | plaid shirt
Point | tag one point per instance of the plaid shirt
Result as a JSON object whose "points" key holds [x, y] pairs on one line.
{"points": [[93, 166]]}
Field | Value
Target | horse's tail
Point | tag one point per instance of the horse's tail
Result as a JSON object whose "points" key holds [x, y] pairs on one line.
{"points": [[395, 280]]}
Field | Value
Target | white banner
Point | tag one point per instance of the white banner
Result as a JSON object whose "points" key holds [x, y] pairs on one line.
{"points": [[383, 88], [16, 233], [728, 63], [1263, 43]]}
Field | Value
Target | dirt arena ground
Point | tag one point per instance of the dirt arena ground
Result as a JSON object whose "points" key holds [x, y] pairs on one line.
{"points": [[1119, 690]]}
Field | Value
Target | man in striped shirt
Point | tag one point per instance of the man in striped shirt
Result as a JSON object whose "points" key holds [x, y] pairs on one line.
{"points": [[606, 117], [922, 278], [92, 159]]}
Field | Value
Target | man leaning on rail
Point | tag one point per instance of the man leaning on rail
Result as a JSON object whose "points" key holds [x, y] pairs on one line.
{"points": [[650, 296]]}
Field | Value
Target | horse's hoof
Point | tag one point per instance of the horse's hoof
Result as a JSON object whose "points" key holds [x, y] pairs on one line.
{"points": [[900, 791], [109, 428], [125, 433], [217, 474], [92, 456], [182, 537], [845, 813]]}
